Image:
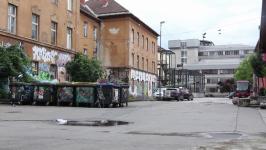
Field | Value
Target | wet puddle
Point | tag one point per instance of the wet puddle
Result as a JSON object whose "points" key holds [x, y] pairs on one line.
{"points": [[97, 123]]}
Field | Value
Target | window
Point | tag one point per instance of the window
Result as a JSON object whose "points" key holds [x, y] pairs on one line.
{"points": [[55, 2], [236, 52], [85, 29], [227, 52], [153, 67], [53, 71], [147, 63], [133, 36], [220, 53], [138, 38], [95, 33], [85, 51], [35, 68], [147, 42], [211, 71], [35, 27], [212, 81], [12, 18], [70, 5], [227, 71], [133, 59], [143, 41], [138, 61], [69, 38], [53, 33], [183, 45], [183, 57], [143, 63]]}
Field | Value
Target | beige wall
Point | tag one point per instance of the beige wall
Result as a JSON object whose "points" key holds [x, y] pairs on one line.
{"points": [[118, 46], [138, 49], [88, 42], [48, 12], [115, 38]]}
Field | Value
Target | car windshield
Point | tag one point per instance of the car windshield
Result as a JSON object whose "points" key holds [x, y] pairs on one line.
{"points": [[242, 86]]}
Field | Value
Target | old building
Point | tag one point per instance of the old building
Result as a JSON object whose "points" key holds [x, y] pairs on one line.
{"points": [[89, 26], [216, 62], [47, 30], [128, 46]]}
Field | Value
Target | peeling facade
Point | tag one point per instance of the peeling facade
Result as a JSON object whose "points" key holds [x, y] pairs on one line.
{"points": [[50, 31]]}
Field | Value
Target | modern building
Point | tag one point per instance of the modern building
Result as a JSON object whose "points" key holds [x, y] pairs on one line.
{"points": [[128, 46], [216, 62]]}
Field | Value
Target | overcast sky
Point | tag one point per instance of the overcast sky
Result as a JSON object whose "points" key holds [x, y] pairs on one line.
{"points": [[238, 20]]}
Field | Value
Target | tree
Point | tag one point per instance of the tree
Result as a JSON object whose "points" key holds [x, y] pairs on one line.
{"points": [[83, 69], [14, 63], [259, 67], [245, 70], [227, 85]]}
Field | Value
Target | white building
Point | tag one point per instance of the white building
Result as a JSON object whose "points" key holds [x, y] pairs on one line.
{"points": [[217, 62]]}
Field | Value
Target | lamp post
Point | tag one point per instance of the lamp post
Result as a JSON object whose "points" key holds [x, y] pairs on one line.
{"points": [[160, 71]]}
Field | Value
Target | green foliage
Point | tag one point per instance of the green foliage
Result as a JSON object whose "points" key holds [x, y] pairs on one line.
{"points": [[258, 66], [83, 69], [14, 62], [245, 69], [227, 85], [3, 94]]}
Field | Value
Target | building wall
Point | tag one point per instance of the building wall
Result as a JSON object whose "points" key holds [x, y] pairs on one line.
{"points": [[45, 55], [118, 45], [89, 42], [114, 42], [138, 48], [47, 12]]}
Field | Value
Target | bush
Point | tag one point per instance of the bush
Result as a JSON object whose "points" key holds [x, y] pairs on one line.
{"points": [[3, 94]]}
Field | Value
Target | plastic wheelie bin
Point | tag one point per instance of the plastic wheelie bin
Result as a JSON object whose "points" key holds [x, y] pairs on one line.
{"points": [[107, 94], [21, 93], [44, 93], [85, 94], [65, 94]]}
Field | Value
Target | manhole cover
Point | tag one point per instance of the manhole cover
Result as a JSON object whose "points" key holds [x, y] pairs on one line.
{"points": [[95, 123]]}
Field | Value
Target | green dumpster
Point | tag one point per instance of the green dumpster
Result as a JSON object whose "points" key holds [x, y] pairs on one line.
{"points": [[44, 93], [21, 93], [85, 94]]}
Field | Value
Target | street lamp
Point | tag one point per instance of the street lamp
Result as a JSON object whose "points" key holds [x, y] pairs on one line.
{"points": [[160, 71]]}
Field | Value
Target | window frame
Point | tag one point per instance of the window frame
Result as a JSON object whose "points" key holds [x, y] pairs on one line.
{"points": [[10, 17], [54, 31], [36, 25], [69, 45]]}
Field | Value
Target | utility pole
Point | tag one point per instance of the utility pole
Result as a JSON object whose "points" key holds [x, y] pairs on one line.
{"points": [[160, 71]]}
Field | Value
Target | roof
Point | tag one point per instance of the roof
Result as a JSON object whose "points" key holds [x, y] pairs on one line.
{"points": [[106, 9], [84, 9], [101, 7]]}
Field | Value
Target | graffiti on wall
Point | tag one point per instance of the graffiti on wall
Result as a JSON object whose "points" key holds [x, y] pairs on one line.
{"points": [[50, 56], [141, 83], [46, 58]]}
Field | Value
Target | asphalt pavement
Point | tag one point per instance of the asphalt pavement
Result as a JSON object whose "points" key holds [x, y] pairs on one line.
{"points": [[202, 124]]}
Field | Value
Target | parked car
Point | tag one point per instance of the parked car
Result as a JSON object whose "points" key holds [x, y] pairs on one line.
{"points": [[187, 94], [177, 94], [157, 94]]}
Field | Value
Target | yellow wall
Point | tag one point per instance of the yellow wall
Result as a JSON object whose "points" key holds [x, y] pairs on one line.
{"points": [[48, 12]]}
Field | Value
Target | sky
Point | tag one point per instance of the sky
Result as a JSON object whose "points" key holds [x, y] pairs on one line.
{"points": [[238, 20]]}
